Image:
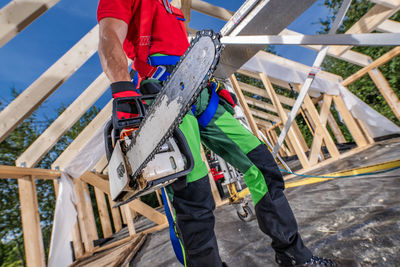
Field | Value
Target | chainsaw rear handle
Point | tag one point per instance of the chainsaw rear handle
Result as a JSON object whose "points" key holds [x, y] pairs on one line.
{"points": [[118, 125], [140, 104]]}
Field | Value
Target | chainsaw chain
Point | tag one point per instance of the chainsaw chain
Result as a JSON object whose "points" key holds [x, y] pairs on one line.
{"points": [[218, 50]]}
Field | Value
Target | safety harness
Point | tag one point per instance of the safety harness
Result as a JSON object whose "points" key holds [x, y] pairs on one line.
{"points": [[142, 48]]}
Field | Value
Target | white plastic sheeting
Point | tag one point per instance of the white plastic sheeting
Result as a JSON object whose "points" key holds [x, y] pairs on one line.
{"points": [[65, 214], [281, 69]]}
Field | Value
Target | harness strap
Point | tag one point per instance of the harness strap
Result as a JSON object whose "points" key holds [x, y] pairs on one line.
{"points": [[205, 118], [140, 62], [156, 60], [176, 243]]}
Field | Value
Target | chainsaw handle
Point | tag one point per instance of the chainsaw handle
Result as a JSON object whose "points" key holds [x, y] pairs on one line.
{"points": [[141, 107]]}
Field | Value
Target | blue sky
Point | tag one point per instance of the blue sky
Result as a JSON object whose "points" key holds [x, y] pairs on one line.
{"points": [[35, 49]]}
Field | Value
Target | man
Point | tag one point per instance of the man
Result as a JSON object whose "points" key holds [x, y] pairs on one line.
{"points": [[151, 33]]}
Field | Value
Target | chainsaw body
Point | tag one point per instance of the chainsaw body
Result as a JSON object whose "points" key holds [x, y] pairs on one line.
{"points": [[172, 160]]}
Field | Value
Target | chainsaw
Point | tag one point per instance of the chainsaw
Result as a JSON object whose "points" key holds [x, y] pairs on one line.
{"points": [[149, 151]]}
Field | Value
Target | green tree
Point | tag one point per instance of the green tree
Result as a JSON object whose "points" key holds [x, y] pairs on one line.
{"points": [[364, 88]]}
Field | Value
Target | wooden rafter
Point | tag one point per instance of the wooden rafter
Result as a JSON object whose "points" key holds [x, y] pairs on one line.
{"points": [[377, 63], [264, 115], [243, 104], [387, 3], [30, 99], [368, 23], [18, 14], [389, 26], [292, 135], [73, 149], [350, 122], [261, 92], [63, 123], [211, 10], [321, 133]]}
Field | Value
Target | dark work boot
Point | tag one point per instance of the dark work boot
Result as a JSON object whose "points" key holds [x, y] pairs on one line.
{"points": [[321, 262]]}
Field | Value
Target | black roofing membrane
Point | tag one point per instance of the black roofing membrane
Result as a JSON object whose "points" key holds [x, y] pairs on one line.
{"points": [[355, 217]]}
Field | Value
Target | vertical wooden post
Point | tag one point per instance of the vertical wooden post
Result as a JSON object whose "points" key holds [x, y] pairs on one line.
{"points": [[293, 136], [291, 151], [83, 218], [33, 241], [243, 104], [129, 219], [158, 194], [123, 215], [115, 215], [351, 123], [76, 233], [321, 133], [103, 212], [79, 250], [89, 212]]}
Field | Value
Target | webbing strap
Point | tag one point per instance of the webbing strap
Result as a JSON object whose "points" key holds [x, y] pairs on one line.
{"points": [[176, 243], [163, 60], [205, 118]]}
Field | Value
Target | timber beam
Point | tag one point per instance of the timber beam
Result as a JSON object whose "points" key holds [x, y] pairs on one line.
{"points": [[7, 172], [31, 98], [18, 14]]}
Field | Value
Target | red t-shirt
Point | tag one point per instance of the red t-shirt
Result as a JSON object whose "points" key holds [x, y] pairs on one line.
{"points": [[167, 34]]}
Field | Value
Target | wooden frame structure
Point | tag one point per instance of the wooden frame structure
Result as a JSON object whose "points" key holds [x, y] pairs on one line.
{"points": [[268, 115]]}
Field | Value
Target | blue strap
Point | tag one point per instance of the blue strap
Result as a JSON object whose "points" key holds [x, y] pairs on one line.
{"points": [[163, 77], [176, 243], [135, 79], [163, 60], [205, 118]]}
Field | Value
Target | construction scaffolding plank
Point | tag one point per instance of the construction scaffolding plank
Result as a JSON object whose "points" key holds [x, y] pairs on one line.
{"points": [[252, 18], [30, 99], [18, 14]]}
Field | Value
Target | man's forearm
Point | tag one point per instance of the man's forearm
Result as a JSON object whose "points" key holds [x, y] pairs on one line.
{"points": [[112, 56]]}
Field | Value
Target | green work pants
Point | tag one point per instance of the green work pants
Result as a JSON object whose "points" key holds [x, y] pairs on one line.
{"points": [[194, 204]]}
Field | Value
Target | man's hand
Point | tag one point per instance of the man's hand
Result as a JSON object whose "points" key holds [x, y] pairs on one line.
{"points": [[112, 56], [125, 110]]}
